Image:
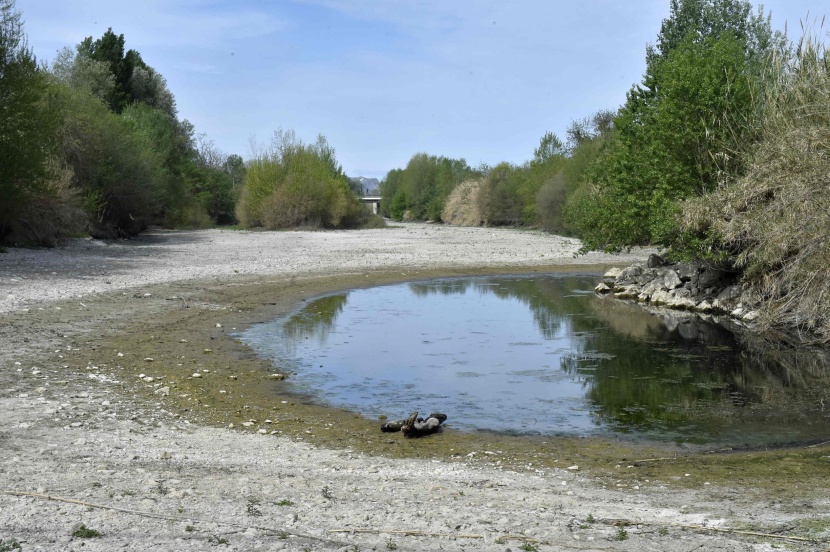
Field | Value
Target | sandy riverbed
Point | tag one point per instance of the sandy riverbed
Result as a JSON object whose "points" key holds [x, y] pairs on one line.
{"points": [[154, 464]]}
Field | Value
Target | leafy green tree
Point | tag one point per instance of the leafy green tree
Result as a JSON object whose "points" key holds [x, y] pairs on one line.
{"points": [[133, 80], [26, 127], [80, 72], [681, 129], [421, 189], [550, 146], [112, 171], [289, 183], [501, 199]]}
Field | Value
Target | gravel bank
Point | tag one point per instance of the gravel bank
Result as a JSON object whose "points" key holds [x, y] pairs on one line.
{"points": [[148, 478], [85, 267]]}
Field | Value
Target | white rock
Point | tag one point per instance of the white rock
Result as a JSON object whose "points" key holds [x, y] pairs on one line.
{"points": [[612, 273], [602, 288], [197, 375]]}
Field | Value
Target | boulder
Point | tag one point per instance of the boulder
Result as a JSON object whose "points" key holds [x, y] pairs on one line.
{"points": [[612, 274], [647, 276], [710, 277], [629, 275], [654, 285], [671, 280], [629, 292], [660, 297], [655, 261], [602, 288], [681, 303], [688, 272]]}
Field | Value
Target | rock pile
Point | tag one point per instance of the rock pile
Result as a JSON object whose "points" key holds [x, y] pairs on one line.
{"points": [[693, 286]]}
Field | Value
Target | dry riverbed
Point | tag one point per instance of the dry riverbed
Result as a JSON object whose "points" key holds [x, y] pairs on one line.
{"points": [[100, 345]]}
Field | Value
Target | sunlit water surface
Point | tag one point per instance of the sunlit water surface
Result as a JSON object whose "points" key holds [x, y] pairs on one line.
{"points": [[544, 355]]}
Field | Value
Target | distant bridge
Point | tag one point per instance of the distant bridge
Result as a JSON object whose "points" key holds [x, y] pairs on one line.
{"points": [[374, 201]]}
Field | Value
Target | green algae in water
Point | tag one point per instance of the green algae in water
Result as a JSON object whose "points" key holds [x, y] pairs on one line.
{"points": [[542, 355]]}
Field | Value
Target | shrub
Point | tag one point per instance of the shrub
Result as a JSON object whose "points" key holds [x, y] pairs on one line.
{"points": [[499, 199], [462, 206], [290, 184]]}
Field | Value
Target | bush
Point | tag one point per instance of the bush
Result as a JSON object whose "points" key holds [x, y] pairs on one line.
{"points": [[462, 206], [290, 184], [114, 174], [500, 200]]}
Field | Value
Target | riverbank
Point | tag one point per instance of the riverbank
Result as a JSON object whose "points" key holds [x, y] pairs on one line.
{"points": [[101, 405]]}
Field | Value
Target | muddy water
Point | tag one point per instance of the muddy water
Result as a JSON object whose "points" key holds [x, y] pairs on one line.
{"points": [[544, 355]]}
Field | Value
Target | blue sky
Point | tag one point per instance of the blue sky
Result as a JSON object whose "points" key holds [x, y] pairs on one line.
{"points": [[382, 79]]}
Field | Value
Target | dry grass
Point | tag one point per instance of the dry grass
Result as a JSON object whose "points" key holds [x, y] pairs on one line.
{"points": [[462, 206], [775, 220]]}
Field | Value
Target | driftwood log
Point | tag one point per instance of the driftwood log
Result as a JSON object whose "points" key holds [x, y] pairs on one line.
{"points": [[415, 426]]}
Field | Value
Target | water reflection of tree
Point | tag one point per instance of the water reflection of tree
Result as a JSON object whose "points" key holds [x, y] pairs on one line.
{"points": [[679, 372], [549, 299], [646, 371], [316, 319]]}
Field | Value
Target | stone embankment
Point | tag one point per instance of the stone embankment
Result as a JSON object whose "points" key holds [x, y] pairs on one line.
{"points": [[693, 286]]}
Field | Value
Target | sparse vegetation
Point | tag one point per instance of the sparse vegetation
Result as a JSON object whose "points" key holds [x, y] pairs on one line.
{"points": [[285, 502], [84, 532], [621, 535], [528, 546], [9, 545], [252, 508]]}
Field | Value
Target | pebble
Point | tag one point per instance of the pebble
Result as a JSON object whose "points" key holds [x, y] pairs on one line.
{"points": [[197, 375]]}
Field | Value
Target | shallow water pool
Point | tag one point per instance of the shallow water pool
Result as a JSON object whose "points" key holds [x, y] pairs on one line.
{"points": [[545, 355]]}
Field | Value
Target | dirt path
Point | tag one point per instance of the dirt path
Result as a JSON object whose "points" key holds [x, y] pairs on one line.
{"points": [[147, 452]]}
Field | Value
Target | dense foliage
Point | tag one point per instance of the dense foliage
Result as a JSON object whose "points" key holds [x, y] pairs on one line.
{"points": [[26, 129], [420, 190], [291, 184], [94, 144]]}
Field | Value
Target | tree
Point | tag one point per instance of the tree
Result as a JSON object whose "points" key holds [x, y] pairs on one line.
{"points": [[681, 130], [133, 80], [25, 125], [80, 72], [549, 146]]}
